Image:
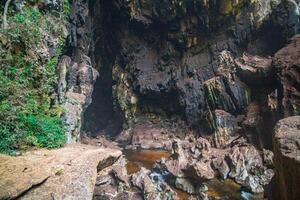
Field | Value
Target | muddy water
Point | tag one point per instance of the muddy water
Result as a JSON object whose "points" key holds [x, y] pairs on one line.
{"points": [[229, 189], [143, 158], [216, 188]]}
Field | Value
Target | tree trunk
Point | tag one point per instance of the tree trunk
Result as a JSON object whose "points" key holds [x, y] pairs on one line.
{"points": [[4, 24]]}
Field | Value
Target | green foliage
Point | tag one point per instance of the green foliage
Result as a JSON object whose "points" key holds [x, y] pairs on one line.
{"points": [[66, 8], [27, 79], [211, 92]]}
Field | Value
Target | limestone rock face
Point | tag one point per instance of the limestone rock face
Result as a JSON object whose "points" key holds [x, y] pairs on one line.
{"points": [[169, 53], [188, 58], [75, 87], [66, 173], [76, 74], [287, 63], [287, 157]]}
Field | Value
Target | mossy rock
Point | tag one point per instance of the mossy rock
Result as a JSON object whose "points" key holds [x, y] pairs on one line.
{"points": [[223, 93]]}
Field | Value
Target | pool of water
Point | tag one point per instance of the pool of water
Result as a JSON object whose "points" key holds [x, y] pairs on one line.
{"points": [[228, 188], [143, 158]]}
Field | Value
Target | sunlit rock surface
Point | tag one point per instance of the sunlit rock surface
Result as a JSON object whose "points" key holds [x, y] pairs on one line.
{"points": [[66, 173]]}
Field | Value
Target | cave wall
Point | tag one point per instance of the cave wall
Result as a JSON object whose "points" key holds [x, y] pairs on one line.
{"points": [[181, 58]]}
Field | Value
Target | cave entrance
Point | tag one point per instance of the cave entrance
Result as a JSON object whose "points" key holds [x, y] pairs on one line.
{"points": [[103, 117]]}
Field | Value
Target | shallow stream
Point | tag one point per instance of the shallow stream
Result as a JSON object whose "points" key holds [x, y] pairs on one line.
{"points": [[216, 189]]}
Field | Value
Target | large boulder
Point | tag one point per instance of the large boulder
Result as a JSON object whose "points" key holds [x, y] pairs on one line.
{"points": [[287, 158], [66, 173]]}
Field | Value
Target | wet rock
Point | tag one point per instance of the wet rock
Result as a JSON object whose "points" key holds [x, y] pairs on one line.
{"points": [[177, 162], [68, 172], [268, 158], [226, 93], [273, 101], [241, 162], [254, 70], [106, 187], [286, 158], [112, 184], [287, 63], [152, 190], [119, 172], [138, 179], [286, 16]]}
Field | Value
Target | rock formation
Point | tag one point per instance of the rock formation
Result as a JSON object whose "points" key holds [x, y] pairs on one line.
{"points": [[287, 63], [76, 73], [287, 157]]}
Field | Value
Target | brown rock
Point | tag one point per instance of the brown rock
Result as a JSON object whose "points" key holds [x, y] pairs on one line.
{"points": [[247, 168], [148, 136], [224, 126], [19, 175], [287, 158], [112, 184], [287, 63], [253, 69], [200, 171], [253, 124]]}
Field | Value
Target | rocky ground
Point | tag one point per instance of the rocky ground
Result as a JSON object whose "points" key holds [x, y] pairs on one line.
{"points": [[66, 173]]}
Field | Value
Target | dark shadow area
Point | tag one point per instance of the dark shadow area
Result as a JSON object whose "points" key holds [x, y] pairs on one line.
{"points": [[102, 117]]}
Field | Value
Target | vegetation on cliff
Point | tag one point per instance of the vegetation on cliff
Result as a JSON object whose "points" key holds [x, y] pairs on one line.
{"points": [[30, 46]]}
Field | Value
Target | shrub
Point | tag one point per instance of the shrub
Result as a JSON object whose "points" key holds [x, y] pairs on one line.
{"points": [[27, 79]]}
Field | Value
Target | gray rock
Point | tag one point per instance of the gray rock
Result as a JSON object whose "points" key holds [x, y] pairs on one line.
{"points": [[185, 185]]}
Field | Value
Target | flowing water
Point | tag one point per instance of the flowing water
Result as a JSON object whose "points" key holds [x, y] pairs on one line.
{"points": [[216, 188]]}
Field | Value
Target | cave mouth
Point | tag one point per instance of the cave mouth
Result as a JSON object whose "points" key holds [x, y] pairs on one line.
{"points": [[103, 116]]}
